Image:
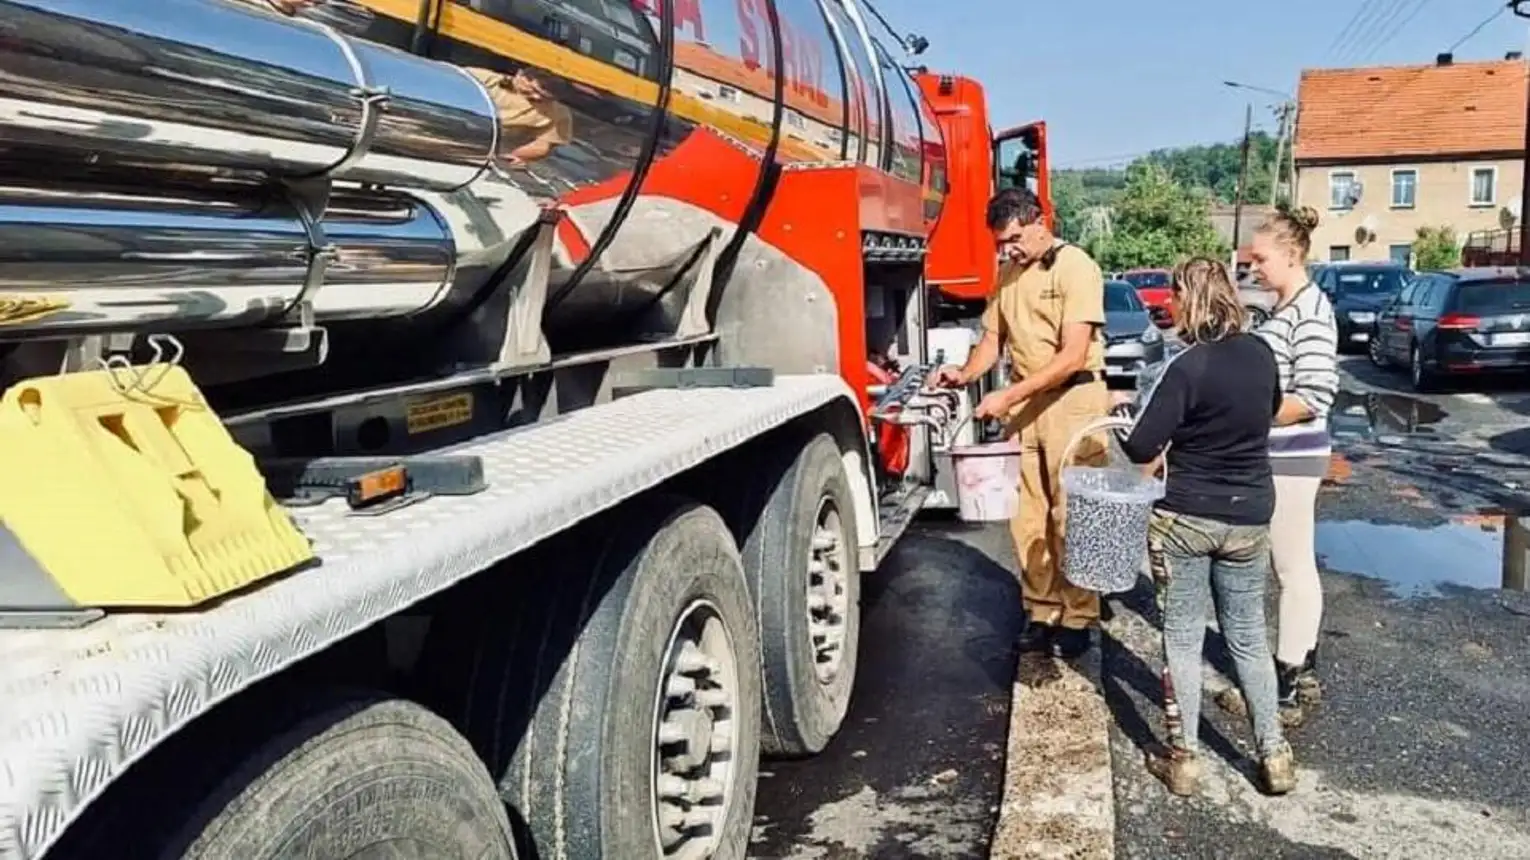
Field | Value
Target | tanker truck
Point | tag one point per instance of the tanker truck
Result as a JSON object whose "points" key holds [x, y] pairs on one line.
{"points": [[457, 427]]}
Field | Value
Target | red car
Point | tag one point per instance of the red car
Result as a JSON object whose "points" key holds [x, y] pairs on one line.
{"points": [[1153, 288]]}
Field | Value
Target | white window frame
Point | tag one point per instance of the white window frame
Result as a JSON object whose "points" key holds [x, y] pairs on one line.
{"points": [[1471, 185], [1335, 174], [1396, 172]]}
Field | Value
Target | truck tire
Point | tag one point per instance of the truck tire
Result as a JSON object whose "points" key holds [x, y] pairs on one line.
{"points": [[801, 559], [620, 714], [357, 775]]}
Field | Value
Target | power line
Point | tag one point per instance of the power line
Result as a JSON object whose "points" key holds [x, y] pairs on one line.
{"points": [[1401, 24], [1347, 32], [1385, 23], [1376, 15]]}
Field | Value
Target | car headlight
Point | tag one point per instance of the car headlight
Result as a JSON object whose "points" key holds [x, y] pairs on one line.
{"points": [[1362, 316], [1152, 335]]}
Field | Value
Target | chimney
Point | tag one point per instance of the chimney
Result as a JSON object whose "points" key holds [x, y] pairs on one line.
{"points": [[1514, 55], [1444, 59]]}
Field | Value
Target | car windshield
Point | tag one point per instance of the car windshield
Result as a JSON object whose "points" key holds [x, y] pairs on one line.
{"points": [[1146, 279], [1120, 296], [1494, 298], [1370, 281]]}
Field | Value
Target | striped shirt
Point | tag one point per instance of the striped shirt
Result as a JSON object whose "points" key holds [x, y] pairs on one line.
{"points": [[1305, 341]]}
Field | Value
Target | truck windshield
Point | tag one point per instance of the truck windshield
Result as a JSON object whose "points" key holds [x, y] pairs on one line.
{"points": [[1494, 298]]}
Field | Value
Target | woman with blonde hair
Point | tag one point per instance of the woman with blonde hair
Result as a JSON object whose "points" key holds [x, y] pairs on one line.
{"points": [[1302, 334], [1209, 414]]}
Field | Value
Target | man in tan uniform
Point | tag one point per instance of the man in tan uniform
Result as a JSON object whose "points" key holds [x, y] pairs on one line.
{"points": [[531, 121], [1048, 312]]}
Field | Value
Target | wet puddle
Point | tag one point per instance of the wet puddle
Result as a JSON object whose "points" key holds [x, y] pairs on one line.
{"points": [[1383, 417], [1416, 562]]}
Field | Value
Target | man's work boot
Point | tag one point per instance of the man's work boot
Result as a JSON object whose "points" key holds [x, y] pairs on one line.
{"points": [[1069, 643], [1178, 769], [1036, 638], [1278, 770]]}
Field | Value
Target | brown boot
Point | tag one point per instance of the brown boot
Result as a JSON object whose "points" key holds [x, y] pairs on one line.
{"points": [[1178, 769], [1278, 770]]}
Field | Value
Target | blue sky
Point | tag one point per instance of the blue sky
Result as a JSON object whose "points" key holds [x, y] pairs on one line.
{"points": [[1114, 78]]}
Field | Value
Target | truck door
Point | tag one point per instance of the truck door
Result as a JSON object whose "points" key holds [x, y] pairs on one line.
{"points": [[1020, 161]]}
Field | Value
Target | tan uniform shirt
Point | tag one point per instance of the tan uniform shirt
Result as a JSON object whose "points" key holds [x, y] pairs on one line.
{"points": [[1029, 310], [522, 120], [1032, 305]]}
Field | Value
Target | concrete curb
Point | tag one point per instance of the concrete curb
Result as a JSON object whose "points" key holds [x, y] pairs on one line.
{"points": [[1059, 800]]}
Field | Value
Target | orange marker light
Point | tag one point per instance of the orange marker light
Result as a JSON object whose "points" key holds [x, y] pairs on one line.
{"points": [[376, 486]]}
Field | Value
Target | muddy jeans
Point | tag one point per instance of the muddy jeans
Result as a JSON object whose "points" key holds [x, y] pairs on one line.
{"points": [[1192, 557]]}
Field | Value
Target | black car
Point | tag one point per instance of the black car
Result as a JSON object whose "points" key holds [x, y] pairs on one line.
{"points": [[1358, 291], [1464, 321]]}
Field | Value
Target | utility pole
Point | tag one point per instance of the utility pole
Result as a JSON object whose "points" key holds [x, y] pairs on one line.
{"points": [[1518, 7], [1248, 128], [1282, 136]]}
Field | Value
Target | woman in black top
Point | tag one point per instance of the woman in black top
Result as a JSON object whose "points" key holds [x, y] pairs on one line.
{"points": [[1211, 407]]}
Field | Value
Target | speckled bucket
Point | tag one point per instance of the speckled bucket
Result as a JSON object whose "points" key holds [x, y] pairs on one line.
{"points": [[987, 481], [1109, 508]]}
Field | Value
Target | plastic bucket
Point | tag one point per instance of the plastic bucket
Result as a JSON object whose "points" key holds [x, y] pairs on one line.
{"points": [[1108, 510], [987, 481]]}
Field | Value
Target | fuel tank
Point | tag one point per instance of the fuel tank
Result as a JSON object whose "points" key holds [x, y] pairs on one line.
{"points": [[205, 164]]}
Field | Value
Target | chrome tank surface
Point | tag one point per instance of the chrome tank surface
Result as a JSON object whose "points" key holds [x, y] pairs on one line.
{"points": [[207, 85], [80, 262]]}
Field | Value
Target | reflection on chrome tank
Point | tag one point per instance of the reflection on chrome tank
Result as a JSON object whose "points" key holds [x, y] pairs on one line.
{"points": [[194, 165]]}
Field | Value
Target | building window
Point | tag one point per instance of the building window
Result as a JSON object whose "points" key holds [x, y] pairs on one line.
{"points": [[727, 93], [1484, 186], [1402, 255], [1338, 253], [1342, 190], [1404, 188]]}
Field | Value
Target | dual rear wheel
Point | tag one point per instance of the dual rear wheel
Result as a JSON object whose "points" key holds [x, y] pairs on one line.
{"points": [[599, 696]]}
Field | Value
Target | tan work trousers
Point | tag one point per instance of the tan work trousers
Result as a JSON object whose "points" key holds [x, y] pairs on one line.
{"points": [[1045, 425]]}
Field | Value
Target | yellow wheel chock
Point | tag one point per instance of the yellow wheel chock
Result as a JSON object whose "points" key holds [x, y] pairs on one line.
{"points": [[115, 496]]}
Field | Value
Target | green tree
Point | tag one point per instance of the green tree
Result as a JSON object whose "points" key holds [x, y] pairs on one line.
{"points": [[1215, 167], [1436, 248], [1157, 223], [1069, 201]]}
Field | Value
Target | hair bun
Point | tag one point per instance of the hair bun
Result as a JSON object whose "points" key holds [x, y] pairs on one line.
{"points": [[1306, 216]]}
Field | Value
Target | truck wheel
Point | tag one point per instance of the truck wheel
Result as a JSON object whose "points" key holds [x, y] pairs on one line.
{"points": [[801, 558], [623, 710], [355, 776]]}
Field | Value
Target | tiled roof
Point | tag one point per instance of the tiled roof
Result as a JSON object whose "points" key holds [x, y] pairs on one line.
{"points": [[1457, 109]]}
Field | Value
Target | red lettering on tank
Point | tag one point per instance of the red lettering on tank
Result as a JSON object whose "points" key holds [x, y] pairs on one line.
{"points": [[688, 16], [751, 22]]}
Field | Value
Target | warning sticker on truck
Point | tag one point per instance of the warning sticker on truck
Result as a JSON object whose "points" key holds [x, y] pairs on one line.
{"points": [[435, 413]]}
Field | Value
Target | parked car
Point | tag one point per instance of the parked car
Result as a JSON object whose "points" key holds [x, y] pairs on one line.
{"points": [[1358, 291], [1464, 321], [1132, 339], [1152, 287]]}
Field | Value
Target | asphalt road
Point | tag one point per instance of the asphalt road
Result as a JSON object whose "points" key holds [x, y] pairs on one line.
{"points": [[1417, 748], [916, 770], [1415, 752]]}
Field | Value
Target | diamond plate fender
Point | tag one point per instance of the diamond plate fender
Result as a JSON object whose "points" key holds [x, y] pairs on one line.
{"points": [[80, 706]]}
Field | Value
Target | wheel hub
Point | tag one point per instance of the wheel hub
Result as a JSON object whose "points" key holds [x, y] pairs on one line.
{"points": [[828, 592], [695, 730]]}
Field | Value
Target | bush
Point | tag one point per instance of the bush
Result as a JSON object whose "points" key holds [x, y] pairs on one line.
{"points": [[1436, 248]]}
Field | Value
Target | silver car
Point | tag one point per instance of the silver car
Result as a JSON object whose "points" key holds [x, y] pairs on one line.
{"points": [[1132, 341]]}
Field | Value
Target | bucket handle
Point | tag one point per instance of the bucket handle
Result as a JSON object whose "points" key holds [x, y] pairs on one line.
{"points": [[1107, 422]]}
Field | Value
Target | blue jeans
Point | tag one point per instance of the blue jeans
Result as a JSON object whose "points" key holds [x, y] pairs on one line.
{"points": [[1192, 557]]}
